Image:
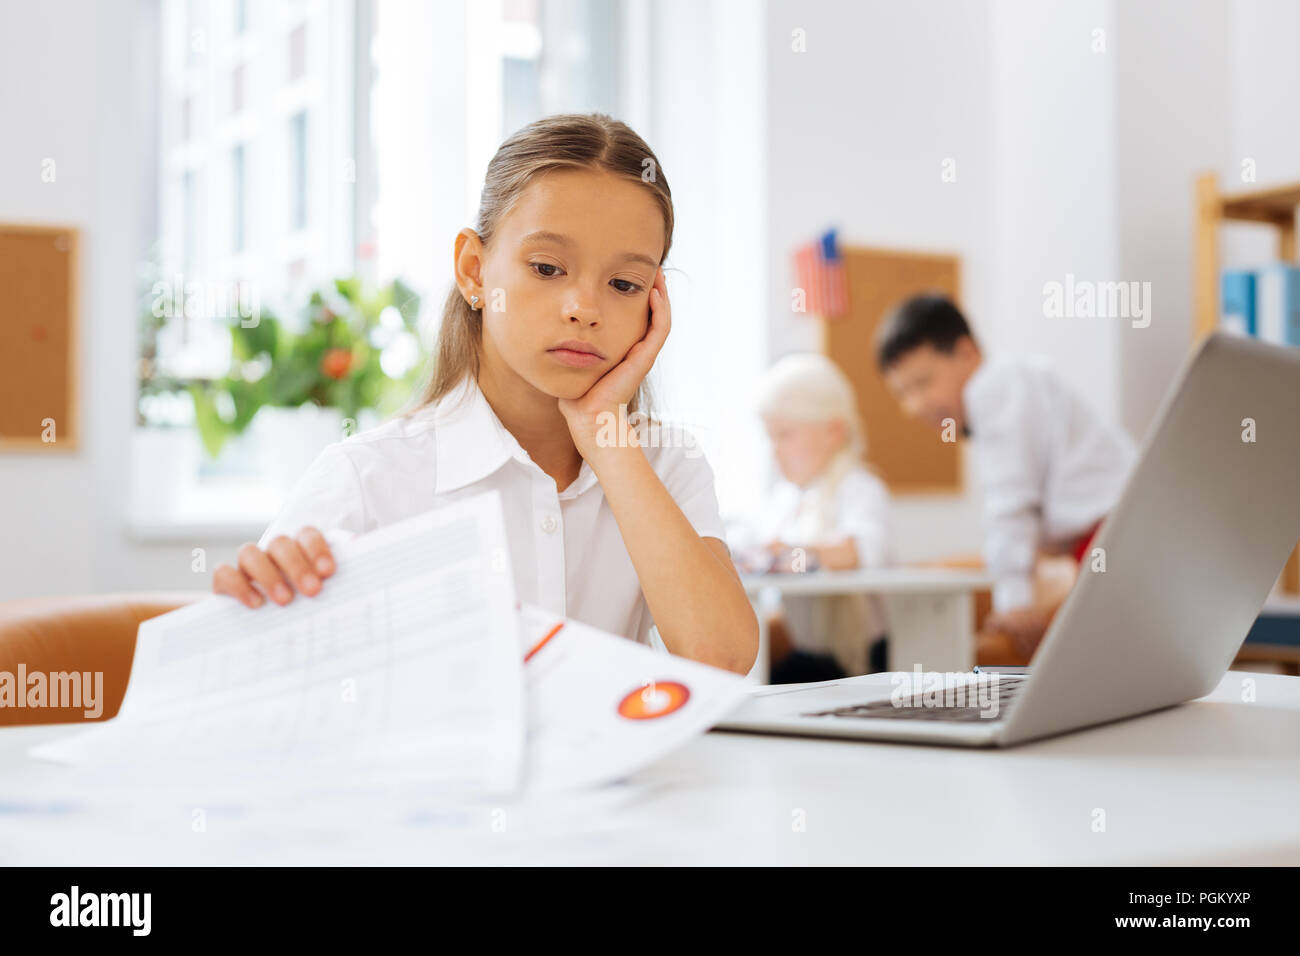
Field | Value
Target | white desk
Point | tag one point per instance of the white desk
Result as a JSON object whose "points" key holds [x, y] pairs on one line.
{"points": [[930, 611], [1215, 781]]}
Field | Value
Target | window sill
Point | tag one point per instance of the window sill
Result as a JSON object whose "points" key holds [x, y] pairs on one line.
{"points": [[183, 531], [225, 510]]}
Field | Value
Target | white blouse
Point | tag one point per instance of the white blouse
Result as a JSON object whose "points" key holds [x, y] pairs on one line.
{"points": [[566, 549]]}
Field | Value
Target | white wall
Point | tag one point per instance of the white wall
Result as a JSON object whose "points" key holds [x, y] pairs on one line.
{"points": [[1169, 132], [859, 126], [1264, 112], [1054, 185]]}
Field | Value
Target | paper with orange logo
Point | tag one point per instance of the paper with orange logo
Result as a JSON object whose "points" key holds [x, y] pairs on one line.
{"points": [[601, 707]]}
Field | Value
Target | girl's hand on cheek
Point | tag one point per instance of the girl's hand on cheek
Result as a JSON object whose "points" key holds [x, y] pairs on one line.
{"points": [[617, 387]]}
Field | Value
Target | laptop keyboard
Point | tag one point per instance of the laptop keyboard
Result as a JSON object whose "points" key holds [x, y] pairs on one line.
{"points": [[915, 708]]}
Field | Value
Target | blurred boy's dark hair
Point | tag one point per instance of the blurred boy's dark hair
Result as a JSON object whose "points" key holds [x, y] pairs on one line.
{"points": [[919, 321]]}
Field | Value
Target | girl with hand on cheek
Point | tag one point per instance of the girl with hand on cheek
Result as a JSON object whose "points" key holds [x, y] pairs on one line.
{"points": [[558, 312]]}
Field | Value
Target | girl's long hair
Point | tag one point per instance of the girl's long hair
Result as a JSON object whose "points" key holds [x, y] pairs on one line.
{"points": [[564, 141]]}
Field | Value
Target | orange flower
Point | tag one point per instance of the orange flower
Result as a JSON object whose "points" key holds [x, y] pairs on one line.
{"points": [[336, 363]]}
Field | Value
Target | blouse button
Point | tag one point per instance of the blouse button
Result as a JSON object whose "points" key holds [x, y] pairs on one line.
{"points": [[549, 524]]}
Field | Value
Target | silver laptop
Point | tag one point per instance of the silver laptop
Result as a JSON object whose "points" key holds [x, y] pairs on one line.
{"points": [[1192, 549]]}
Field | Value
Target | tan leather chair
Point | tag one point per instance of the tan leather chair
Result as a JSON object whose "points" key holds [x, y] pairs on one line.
{"points": [[93, 632]]}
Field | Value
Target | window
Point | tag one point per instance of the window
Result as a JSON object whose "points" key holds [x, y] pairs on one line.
{"points": [[245, 133], [237, 89], [314, 139], [238, 207], [521, 52], [298, 52], [257, 106], [298, 171], [189, 216]]}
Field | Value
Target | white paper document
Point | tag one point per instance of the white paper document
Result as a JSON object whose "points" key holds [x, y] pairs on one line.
{"points": [[414, 682], [404, 667], [601, 706]]}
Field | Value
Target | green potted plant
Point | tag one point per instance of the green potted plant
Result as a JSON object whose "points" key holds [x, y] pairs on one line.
{"points": [[357, 349]]}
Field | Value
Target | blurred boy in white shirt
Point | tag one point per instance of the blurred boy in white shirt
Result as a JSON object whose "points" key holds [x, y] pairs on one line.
{"points": [[1051, 468], [827, 512]]}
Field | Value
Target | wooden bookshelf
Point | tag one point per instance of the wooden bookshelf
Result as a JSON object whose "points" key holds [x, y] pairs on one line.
{"points": [[1274, 208]]}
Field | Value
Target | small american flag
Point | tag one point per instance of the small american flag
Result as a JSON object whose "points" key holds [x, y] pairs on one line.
{"points": [[819, 271]]}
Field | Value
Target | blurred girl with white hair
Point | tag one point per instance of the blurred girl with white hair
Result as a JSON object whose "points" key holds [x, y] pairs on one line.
{"points": [[827, 511]]}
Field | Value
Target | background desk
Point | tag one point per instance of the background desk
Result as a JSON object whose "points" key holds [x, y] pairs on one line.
{"points": [[1214, 781], [931, 611]]}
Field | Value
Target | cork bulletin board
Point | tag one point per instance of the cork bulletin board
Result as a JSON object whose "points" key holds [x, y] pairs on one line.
{"points": [[38, 325], [909, 455]]}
